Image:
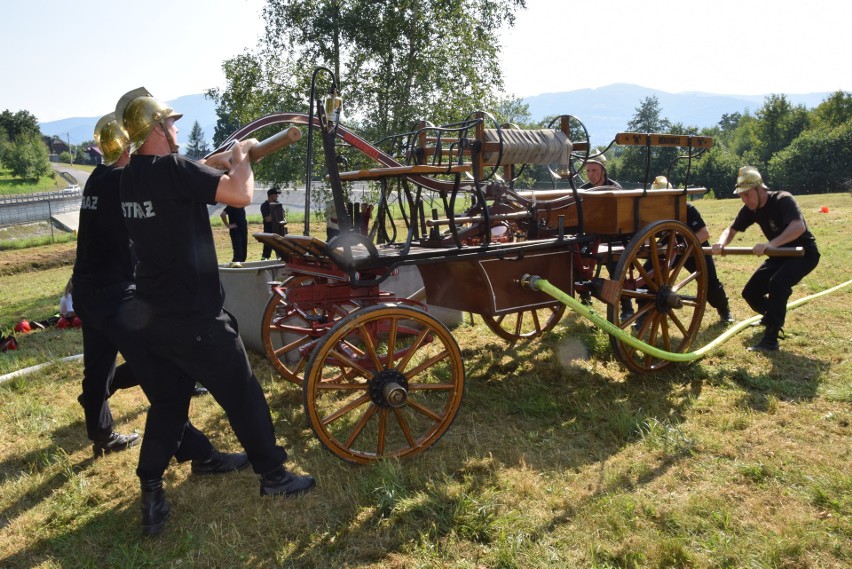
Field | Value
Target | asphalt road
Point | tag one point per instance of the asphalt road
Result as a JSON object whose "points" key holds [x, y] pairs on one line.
{"points": [[79, 175]]}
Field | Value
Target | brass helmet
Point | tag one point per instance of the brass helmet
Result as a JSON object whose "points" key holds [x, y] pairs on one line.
{"points": [[111, 138], [660, 183], [140, 111], [599, 159], [747, 178]]}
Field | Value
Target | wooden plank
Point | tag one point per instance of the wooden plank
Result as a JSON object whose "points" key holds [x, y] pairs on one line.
{"points": [[641, 139]]}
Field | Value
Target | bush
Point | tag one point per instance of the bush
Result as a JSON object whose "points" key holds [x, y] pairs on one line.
{"points": [[27, 158], [818, 162]]}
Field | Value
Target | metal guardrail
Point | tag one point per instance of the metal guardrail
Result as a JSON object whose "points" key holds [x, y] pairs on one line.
{"points": [[41, 196], [27, 208]]}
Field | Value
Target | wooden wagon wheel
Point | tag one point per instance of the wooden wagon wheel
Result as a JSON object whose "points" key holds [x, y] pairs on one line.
{"points": [[287, 331], [386, 381], [525, 324], [663, 271]]}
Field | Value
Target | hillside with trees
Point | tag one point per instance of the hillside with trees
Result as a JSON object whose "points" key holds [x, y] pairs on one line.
{"points": [[800, 150]]}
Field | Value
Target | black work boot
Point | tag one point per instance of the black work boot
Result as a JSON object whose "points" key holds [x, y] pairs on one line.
{"points": [[626, 309], [220, 463], [114, 443], [155, 509], [769, 343], [282, 482], [725, 315]]}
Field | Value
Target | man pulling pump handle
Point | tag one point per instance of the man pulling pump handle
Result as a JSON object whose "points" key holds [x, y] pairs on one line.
{"points": [[164, 198], [783, 224]]}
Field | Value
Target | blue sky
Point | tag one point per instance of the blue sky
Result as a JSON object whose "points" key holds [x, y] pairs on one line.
{"points": [[63, 59]]}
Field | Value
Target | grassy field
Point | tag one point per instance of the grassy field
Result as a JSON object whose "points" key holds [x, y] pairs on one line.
{"points": [[558, 457], [10, 185]]}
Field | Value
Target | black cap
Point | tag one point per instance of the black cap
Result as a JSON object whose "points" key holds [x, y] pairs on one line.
{"points": [[271, 191]]}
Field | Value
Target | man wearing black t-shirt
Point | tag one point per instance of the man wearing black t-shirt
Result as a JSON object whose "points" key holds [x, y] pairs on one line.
{"points": [[273, 219], [104, 297], [164, 201], [234, 219], [783, 224], [103, 279]]}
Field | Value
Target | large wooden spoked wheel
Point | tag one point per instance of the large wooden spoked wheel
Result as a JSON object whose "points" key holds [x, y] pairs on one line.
{"points": [[386, 381], [663, 272], [287, 331], [525, 324]]}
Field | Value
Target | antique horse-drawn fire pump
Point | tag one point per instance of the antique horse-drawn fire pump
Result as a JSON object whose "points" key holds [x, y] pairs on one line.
{"points": [[382, 377]]}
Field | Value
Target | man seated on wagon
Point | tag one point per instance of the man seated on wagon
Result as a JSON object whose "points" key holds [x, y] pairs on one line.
{"points": [[596, 173]]}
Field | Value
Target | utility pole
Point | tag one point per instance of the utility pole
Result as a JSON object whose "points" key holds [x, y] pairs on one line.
{"points": [[71, 154]]}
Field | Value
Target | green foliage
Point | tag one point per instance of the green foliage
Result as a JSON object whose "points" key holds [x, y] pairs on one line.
{"points": [[834, 111], [779, 123], [17, 124], [817, 162], [631, 165], [796, 149], [27, 157], [196, 147], [714, 171], [258, 84], [395, 63], [648, 117]]}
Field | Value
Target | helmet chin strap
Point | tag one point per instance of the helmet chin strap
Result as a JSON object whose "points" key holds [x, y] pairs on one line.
{"points": [[173, 145], [759, 199]]}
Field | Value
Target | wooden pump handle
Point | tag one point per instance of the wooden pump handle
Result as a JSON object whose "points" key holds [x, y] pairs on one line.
{"points": [[770, 251], [274, 142]]}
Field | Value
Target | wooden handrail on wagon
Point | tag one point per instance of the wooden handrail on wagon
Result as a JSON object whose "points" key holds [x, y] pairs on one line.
{"points": [[644, 139]]}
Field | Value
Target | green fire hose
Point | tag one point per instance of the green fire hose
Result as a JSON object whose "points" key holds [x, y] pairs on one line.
{"points": [[537, 283]]}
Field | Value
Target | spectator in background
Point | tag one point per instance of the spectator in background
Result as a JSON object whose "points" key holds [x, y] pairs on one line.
{"points": [[234, 218], [273, 218], [67, 315], [66, 302]]}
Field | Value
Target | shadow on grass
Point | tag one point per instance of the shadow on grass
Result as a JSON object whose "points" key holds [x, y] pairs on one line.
{"points": [[64, 442]]}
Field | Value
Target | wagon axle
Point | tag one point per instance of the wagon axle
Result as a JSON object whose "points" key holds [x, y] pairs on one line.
{"points": [[668, 299], [389, 389]]}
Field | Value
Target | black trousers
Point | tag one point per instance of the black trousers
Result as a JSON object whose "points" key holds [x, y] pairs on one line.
{"points": [[771, 285], [210, 352], [108, 314], [716, 295], [267, 250], [239, 243]]}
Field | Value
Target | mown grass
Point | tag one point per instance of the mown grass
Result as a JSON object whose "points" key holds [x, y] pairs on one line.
{"points": [[558, 457], [10, 185]]}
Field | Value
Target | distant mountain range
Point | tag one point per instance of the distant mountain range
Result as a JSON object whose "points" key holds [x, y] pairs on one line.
{"points": [[607, 110], [604, 111], [193, 107]]}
